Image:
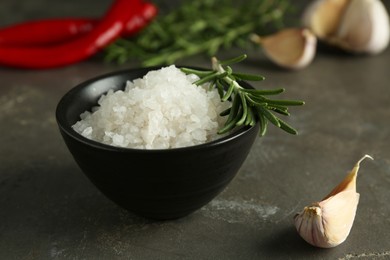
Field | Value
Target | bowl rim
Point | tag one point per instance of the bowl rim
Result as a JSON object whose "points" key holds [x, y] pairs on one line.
{"points": [[70, 132]]}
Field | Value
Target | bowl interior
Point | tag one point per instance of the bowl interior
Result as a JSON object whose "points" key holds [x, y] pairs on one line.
{"points": [[86, 95]]}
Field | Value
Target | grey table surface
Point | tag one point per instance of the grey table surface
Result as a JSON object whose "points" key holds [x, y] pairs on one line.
{"points": [[49, 209]]}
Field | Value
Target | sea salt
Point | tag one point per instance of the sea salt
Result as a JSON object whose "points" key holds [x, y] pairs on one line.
{"points": [[162, 110]]}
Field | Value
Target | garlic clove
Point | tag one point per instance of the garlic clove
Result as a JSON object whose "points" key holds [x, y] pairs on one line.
{"points": [[364, 27], [323, 16], [292, 48], [328, 223], [358, 26]]}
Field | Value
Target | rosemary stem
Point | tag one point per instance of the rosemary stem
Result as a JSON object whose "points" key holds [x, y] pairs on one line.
{"points": [[200, 27], [216, 65]]}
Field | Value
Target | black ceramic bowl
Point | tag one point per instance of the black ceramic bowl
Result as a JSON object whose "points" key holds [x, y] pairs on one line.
{"points": [[158, 184]]}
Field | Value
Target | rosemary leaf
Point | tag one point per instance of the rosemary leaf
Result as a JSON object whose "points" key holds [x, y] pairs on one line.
{"points": [[263, 125], [234, 60], [256, 102], [220, 88], [279, 110], [284, 102], [206, 78], [264, 91], [244, 109], [286, 127], [200, 73], [249, 77], [250, 120], [228, 92], [234, 110]]}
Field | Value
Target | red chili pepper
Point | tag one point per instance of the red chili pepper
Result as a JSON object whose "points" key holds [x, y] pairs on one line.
{"points": [[54, 31], [44, 32], [105, 32]]}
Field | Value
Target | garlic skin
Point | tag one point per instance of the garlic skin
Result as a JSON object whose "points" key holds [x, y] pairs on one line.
{"points": [[323, 16], [327, 223], [357, 26], [292, 48], [364, 28]]}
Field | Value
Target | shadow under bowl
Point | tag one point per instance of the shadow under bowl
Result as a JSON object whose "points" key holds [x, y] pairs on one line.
{"points": [[157, 184]]}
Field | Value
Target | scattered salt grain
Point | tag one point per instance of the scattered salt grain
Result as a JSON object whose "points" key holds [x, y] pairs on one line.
{"points": [[162, 110]]}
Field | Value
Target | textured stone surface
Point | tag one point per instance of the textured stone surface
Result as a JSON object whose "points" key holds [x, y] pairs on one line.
{"points": [[49, 210]]}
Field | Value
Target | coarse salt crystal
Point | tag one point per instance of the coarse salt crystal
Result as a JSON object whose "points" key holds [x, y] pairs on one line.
{"points": [[162, 110]]}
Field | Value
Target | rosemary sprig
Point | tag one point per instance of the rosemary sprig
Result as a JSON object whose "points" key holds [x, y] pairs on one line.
{"points": [[249, 106], [200, 27]]}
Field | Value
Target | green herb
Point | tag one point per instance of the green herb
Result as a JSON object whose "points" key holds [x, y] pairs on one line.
{"points": [[249, 106], [200, 27]]}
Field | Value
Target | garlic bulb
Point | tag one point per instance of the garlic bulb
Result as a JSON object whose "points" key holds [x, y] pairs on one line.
{"points": [[292, 48], [360, 26], [365, 27], [327, 223]]}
